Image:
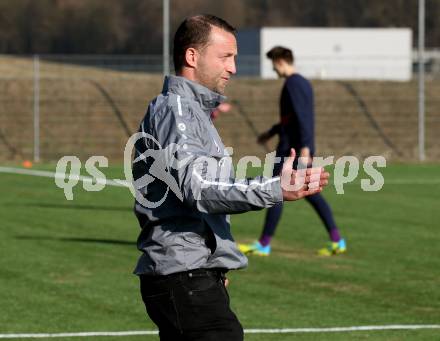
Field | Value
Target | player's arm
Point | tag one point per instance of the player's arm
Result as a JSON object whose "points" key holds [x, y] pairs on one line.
{"points": [[267, 135], [202, 186], [217, 195]]}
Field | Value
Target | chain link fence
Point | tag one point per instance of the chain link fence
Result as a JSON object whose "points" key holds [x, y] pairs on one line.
{"points": [[89, 105]]}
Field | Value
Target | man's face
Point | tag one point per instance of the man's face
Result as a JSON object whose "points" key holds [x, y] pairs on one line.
{"points": [[279, 66], [216, 62]]}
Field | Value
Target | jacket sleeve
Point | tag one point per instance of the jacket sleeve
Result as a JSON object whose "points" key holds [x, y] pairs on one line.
{"points": [[302, 102], [203, 181]]}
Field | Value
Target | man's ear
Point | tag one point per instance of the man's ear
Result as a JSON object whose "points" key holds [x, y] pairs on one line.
{"points": [[191, 57]]}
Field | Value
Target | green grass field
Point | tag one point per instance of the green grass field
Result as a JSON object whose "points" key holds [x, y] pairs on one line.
{"points": [[66, 266]]}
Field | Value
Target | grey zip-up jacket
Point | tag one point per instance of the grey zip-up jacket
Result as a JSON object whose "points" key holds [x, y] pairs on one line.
{"points": [[182, 204]]}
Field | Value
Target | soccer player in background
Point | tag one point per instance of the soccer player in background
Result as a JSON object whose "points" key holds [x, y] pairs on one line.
{"points": [[296, 130]]}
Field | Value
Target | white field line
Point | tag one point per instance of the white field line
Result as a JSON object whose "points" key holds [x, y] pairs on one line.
{"points": [[405, 182], [124, 183], [47, 174], [247, 331]]}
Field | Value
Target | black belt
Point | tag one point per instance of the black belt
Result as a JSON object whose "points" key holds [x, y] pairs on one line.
{"points": [[215, 272]]}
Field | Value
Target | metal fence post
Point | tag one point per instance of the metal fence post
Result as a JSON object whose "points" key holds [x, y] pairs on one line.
{"points": [[166, 37], [421, 63], [36, 108]]}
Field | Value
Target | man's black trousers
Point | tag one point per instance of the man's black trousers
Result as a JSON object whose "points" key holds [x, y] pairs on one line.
{"points": [[192, 305]]}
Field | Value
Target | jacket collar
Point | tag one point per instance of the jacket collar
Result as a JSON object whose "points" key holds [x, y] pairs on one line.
{"points": [[208, 99]]}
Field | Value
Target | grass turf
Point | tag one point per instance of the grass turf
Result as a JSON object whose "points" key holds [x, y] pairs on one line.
{"points": [[66, 266]]}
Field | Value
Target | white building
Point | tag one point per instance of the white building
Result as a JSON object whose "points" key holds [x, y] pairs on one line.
{"points": [[342, 53]]}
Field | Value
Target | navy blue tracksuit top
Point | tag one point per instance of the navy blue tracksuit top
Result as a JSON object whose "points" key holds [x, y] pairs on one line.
{"points": [[296, 129]]}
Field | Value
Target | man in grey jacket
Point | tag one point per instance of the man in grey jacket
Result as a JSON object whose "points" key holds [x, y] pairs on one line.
{"points": [[185, 190]]}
